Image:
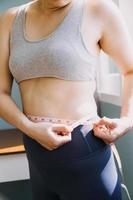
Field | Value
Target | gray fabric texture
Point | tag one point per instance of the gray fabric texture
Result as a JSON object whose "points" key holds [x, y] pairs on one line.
{"points": [[61, 54]]}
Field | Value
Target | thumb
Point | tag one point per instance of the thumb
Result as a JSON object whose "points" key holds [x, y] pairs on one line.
{"points": [[112, 123], [65, 139], [62, 127]]}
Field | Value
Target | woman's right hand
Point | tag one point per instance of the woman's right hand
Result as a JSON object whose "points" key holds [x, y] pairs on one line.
{"points": [[50, 135]]}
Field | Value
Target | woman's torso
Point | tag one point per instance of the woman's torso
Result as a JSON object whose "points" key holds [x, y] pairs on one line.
{"points": [[52, 96]]}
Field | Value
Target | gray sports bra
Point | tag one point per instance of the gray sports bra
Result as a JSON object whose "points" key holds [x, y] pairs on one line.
{"points": [[61, 54]]}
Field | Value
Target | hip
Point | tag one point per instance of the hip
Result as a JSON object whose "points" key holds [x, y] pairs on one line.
{"points": [[84, 144]]}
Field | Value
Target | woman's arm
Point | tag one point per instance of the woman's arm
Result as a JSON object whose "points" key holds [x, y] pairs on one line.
{"points": [[117, 43], [45, 133], [8, 108]]}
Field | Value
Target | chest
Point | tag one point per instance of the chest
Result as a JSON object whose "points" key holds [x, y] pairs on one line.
{"points": [[37, 27]]}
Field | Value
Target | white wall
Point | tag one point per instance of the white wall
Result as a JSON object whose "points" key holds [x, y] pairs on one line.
{"points": [[126, 7]]}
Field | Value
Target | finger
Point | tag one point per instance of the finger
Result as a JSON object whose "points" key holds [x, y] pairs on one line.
{"points": [[101, 127], [98, 132], [64, 139], [106, 134], [102, 122], [103, 134], [60, 132], [64, 128], [108, 124], [107, 139], [112, 121]]}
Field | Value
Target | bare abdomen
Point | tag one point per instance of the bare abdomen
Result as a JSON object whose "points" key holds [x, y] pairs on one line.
{"points": [[58, 98]]}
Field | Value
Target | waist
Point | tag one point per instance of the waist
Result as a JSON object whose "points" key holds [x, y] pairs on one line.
{"points": [[67, 108], [58, 98], [86, 120]]}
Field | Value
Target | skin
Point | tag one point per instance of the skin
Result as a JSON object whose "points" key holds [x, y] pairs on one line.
{"points": [[100, 18]]}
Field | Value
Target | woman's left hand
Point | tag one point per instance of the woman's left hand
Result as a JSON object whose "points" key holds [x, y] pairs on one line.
{"points": [[111, 129]]}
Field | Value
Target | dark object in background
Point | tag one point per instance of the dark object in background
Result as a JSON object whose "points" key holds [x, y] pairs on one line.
{"points": [[16, 190]]}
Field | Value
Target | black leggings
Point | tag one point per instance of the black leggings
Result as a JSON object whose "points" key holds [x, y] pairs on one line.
{"points": [[82, 169]]}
